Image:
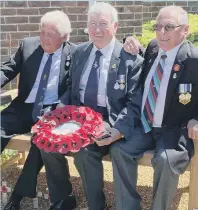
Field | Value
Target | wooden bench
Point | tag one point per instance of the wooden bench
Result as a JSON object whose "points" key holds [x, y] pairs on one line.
{"points": [[21, 143]]}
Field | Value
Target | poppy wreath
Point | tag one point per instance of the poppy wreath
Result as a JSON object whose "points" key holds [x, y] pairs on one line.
{"points": [[67, 129]]}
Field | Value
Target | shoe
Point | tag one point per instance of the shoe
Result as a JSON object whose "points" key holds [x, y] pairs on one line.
{"points": [[12, 206], [68, 204], [14, 202]]}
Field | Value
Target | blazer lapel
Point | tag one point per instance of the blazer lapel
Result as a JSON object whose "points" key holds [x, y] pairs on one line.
{"points": [[113, 66], [77, 74], [35, 64], [66, 55], [175, 76], [149, 63]]}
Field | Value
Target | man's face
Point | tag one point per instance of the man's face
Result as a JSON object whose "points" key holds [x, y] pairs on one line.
{"points": [[101, 30], [51, 39], [176, 32]]}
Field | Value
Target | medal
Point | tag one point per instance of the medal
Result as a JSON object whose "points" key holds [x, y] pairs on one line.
{"points": [[182, 98], [116, 86], [185, 98], [121, 79], [185, 93], [122, 86], [188, 97]]}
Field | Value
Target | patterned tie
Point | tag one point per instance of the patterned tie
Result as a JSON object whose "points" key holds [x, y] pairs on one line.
{"points": [[150, 103], [38, 104], [91, 91]]}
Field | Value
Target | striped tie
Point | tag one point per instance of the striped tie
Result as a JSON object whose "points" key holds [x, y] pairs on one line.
{"points": [[151, 99]]}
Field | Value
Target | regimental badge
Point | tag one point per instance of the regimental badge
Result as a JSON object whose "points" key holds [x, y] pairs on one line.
{"points": [[68, 58], [44, 77], [185, 93], [95, 65], [67, 63], [174, 76], [113, 66]]}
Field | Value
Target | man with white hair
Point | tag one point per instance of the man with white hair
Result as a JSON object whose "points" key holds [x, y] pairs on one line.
{"points": [[168, 113], [43, 64], [104, 78]]}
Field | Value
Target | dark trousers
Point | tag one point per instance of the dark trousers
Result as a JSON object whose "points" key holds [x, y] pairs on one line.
{"points": [[17, 119]]}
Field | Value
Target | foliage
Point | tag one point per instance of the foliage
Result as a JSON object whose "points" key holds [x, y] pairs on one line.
{"points": [[148, 34], [7, 154]]}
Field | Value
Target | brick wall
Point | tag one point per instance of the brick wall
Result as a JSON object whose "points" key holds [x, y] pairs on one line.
{"points": [[20, 19], [151, 9]]}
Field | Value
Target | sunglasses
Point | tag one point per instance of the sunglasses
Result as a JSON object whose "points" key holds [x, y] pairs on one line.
{"points": [[168, 27]]}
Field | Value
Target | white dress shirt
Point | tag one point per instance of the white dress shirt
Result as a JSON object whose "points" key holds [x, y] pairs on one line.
{"points": [[51, 94], [167, 66], [104, 68]]}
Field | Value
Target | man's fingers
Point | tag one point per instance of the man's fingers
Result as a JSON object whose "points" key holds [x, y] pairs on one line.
{"points": [[193, 133], [190, 133], [132, 45]]}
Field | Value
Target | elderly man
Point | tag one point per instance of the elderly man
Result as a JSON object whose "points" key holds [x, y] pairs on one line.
{"points": [[43, 64], [104, 78], [168, 115]]}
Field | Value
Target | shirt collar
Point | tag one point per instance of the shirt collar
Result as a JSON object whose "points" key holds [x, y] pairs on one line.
{"points": [[107, 50], [58, 52], [171, 54]]}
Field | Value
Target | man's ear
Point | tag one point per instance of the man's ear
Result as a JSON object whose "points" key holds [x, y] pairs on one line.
{"points": [[115, 26], [186, 30], [65, 37]]}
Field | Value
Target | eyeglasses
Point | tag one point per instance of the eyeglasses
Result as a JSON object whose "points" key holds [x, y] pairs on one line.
{"points": [[101, 25], [168, 27]]}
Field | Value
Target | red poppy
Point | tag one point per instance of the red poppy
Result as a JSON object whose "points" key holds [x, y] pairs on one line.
{"points": [[4, 189], [90, 123]]}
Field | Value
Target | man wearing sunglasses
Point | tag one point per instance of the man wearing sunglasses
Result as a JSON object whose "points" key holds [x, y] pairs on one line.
{"points": [[168, 113]]}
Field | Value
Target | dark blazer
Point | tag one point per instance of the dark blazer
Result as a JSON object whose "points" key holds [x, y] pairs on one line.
{"points": [[26, 62], [123, 105], [177, 115]]}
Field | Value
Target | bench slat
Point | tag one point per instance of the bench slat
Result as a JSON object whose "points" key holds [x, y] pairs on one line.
{"points": [[22, 144]]}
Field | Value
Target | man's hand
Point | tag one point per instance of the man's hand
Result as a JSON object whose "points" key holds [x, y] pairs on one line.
{"points": [[132, 45], [193, 129], [115, 135]]}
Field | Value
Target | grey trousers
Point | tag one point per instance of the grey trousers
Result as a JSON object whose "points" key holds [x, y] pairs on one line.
{"points": [[88, 162], [124, 156]]}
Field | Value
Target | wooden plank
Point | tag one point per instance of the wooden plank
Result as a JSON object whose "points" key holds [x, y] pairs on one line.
{"points": [[13, 93], [20, 143], [5, 99], [193, 188]]}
